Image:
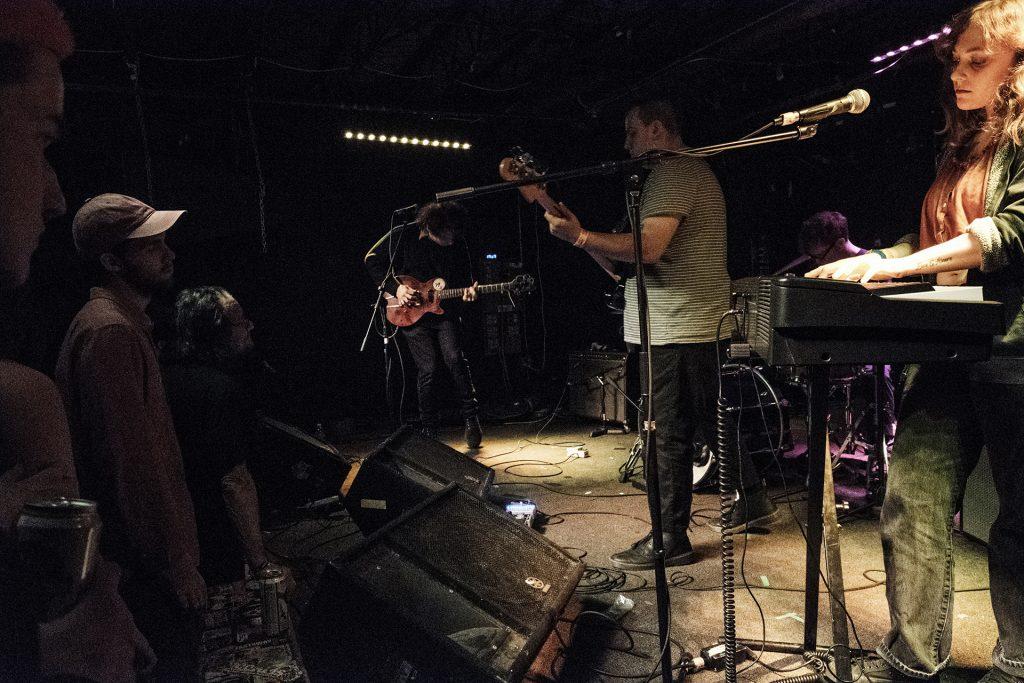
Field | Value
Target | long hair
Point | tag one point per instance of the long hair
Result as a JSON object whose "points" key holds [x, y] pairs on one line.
{"points": [[1001, 23], [202, 330]]}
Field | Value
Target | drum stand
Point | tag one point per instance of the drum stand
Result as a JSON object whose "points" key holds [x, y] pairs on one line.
{"points": [[821, 526], [606, 426]]}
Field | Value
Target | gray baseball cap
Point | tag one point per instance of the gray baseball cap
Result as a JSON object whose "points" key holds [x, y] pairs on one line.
{"points": [[105, 221]]}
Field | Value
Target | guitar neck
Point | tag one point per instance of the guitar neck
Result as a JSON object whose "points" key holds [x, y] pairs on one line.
{"points": [[480, 289], [545, 200]]}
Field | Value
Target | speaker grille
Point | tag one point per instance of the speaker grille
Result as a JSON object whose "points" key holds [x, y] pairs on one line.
{"points": [[451, 590], [439, 460], [509, 567]]}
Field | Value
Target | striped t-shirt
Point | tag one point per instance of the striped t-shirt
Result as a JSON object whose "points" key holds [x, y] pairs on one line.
{"points": [[688, 288]]}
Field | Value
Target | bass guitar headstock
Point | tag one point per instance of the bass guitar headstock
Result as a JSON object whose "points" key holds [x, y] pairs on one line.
{"points": [[522, 166]]}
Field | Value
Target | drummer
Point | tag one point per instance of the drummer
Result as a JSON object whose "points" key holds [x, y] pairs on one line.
{"points": [[824, 238]]}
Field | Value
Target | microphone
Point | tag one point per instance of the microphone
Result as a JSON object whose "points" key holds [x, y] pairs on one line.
{"points": [[854, 102]]}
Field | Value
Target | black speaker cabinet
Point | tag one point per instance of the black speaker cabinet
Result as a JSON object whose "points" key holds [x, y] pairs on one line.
{"points": [[597, 384], [405, 470], [453, 590], [293, 468]]}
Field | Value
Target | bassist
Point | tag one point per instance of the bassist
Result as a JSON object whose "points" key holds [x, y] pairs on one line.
{"points": [[436, 249]]}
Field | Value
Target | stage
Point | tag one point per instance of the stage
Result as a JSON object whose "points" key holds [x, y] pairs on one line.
{"points": [[592, 515]]}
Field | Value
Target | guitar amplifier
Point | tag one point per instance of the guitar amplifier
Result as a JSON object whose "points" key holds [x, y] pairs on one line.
{"points": [[597, 383]]}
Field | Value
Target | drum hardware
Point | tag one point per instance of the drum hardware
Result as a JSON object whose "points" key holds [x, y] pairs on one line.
{"points": [[607, 426], [705, 460]]}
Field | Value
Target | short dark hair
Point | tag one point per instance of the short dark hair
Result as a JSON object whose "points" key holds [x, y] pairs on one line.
{"points": [[650, 111], [443, 216], [27, 26], [202, 330], [824, 227]]}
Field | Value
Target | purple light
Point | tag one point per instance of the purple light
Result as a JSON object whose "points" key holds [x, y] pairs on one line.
{"points": [[907, 48]]}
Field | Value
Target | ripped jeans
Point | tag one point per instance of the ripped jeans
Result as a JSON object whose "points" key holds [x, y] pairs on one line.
{"points": [[945, 419]]}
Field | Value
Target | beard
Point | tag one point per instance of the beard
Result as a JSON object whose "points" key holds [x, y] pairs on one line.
{"points": [[147, 283]]}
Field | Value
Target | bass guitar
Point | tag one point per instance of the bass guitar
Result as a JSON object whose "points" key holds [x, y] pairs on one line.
{"points": [[520, 166], [431, 293]]}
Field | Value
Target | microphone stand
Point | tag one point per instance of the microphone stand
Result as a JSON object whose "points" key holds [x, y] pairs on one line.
{"points": [[648, 427], [389, 273]]}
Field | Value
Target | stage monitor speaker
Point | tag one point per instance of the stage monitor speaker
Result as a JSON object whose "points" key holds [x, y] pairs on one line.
{"points": [[453, 590], [293, 468], [405, 470]]}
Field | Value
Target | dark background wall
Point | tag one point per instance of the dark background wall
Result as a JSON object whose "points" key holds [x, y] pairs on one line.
{"points": [[236, 112]]}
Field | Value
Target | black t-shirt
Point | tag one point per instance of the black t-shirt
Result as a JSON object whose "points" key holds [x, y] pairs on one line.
{"points": [[423, 259], [215, 420]]}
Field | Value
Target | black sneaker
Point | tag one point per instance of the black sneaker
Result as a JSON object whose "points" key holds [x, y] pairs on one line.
{"points": [[474, 435], [640, 555], [753, 509], [879, 671], [429, 432], [995, 675]]}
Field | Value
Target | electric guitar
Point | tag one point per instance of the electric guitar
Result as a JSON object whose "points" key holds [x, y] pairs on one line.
{"points": [[431, 293], [520, 166]]}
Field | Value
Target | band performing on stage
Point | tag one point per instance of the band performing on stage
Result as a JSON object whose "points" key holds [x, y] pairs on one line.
{"points": [[232, 452]]}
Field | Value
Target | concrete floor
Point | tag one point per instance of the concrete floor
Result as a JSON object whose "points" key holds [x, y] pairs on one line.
{"points": [[592, 515]]}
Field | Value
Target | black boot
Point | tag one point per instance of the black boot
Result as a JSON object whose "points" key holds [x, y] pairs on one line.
{"points": [[753, 508], [474, 435], [640, 555]]}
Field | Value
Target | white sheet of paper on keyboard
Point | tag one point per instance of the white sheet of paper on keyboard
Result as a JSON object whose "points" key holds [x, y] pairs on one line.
{"points": [[969, 294]]}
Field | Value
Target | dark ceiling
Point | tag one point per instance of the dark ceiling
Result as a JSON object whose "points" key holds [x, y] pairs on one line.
{"points": [[234, 109], [534, 60]]}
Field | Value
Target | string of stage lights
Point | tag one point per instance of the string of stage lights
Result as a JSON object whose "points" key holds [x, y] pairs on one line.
{"points": [[898, 52], [404, 140]]}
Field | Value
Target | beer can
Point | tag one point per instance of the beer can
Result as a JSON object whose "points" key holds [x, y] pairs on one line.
{"points": [[60, 538], [271, 581]]}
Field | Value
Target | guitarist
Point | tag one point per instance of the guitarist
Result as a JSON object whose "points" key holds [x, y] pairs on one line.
{"points": [[682, 214], [434, 339]]}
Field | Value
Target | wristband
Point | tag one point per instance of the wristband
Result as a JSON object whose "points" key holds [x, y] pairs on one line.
{"points": [[879, 252], [581, 239]]}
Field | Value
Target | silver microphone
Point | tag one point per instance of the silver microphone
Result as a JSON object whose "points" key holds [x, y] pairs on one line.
{"points": [[854, 102]]}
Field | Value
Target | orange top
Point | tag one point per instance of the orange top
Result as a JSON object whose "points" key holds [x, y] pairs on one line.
{"points": [[956, 198]]}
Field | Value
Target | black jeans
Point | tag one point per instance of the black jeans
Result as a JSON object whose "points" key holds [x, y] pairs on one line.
{"points": [[685, 403], [434, 343]]}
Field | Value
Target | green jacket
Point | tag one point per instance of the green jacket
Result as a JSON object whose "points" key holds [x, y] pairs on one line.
{"points": [[1002, 243]]}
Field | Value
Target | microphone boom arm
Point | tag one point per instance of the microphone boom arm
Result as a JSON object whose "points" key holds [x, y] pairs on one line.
{"points": [[609, 167]]}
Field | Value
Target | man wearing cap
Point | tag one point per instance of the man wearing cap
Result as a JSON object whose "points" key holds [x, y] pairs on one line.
{"points": [[127, 453]]}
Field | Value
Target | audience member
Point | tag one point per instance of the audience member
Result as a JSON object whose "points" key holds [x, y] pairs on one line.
{"points": [[216, 421], [126, 449], [95, 639]]}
